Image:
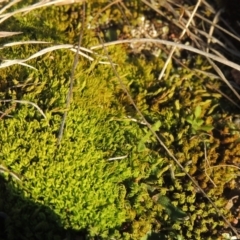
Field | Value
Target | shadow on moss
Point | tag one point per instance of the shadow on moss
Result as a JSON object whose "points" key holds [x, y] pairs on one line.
{"points": [[22, 219]]}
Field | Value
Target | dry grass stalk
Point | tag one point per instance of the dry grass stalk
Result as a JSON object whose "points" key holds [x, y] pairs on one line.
{"points": [[8, 34], [181, 36]]}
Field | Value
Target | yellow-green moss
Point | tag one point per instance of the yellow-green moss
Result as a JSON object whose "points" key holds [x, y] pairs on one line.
{"points": [[122, 199]]}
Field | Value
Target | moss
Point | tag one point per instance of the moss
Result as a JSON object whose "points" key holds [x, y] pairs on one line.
{"points": [[126, 198]]}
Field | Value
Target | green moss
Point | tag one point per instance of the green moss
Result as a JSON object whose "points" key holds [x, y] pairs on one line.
{"points": [[125, 198]]}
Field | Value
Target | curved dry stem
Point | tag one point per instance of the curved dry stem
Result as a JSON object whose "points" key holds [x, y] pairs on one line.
{"points": [[207, 164], [7, 63], [26, 102], [181, 36], [40, 4], [8, 34], [181, 46], [6, 170], [169, 43], [9, 5], [223, 165], [75, 62]]}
